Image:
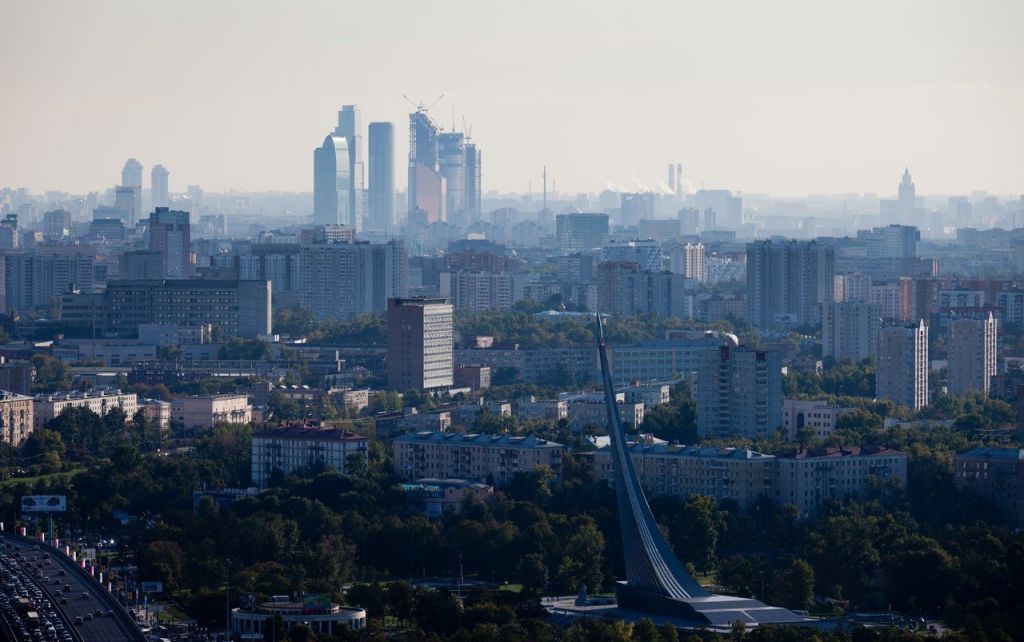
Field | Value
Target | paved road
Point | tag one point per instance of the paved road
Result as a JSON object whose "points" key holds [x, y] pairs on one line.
{"points": [[113, 625]]}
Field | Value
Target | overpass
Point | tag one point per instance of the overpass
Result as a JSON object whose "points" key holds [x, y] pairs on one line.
{"points": [[72, 592]]}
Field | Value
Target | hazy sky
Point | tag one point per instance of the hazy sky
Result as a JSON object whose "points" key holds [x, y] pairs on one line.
{"points": [[759, 96]]}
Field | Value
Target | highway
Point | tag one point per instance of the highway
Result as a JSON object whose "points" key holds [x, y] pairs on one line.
{"points": [[75, 594]]}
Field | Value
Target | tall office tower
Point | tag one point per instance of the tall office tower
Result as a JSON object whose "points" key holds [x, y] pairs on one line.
{"points": [[420, 343], [350, 127], [739, 392], [161, 194], [382, 176], [688, 259], [728, 208], [972, 355], [907, 194], [647, 254], [332, 182], [128, 199], [131, 176], [451, 148], [427, 198], [170, 234], [342, 280], [581, 232], [474, 176], [787, 281], [901, 373], [689, 219], [849, 331], [636, 207]]}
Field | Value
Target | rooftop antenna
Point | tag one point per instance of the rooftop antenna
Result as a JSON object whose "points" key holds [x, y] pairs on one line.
{"points": [[468, 129]]}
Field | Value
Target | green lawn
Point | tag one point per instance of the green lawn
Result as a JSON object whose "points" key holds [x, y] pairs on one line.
{"points": [[52, 477]]}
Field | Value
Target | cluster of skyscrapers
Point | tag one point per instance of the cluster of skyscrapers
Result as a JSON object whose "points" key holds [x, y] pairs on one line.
{"points": [[443, 174]]}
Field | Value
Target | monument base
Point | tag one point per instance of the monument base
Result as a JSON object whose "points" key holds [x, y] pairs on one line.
{"points": [[713, 610]]}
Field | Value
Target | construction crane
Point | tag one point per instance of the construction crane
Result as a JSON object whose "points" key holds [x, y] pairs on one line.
{"points": [[468, 129], [422, 108]]}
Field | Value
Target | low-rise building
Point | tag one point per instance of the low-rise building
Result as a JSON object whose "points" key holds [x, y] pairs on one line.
{"points": [[15, 418], [495, 459], [303, 447], [588, 412], [158, 412], [650, 395], [737, 474], [811, 478], [434, 497], [997, 474], [817, 415], [472, 377], [316, 611], [547, 409], [203, 412], [99, 400]]}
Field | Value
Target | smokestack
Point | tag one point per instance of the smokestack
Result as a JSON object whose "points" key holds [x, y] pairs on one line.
{"points": [[671, 178], [679, 179]]}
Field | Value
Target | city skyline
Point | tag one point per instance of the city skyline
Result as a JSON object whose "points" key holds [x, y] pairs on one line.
{"points": [[747, 116]]}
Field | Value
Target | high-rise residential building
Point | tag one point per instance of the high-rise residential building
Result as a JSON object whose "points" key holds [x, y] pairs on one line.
{"points": [[972, 355], [662, 230], [159, 186], [237, 308], [581, 232], [170, 234], [427, 198], [689, 221], [57, 224], [647, 254], [728, 209], [787, 281], [9, 237], [37, 278], [451, 147], [350, 127], [625, 289], [142, 265], [382, 177], [688, 259], [849, 330], [901, 372], [420, 343], [128, 199], [131, 177], [636, 207], [891, 242], [478, 291], [341, 280], [474, 177], [332, 182], [997, 474], [739, 392]]}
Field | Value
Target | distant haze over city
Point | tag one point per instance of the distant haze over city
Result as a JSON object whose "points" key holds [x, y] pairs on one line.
{"points": [[783, 98]]}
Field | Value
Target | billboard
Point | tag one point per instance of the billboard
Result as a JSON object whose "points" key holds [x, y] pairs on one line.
{"points": [[44, 503], [316, 601], [152, 587]]}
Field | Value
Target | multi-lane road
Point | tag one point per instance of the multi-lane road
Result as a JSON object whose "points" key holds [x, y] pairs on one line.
{"points": [[88, 611]]}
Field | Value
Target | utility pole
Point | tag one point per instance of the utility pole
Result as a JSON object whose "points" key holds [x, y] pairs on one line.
{"points": [[227, 600]]}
